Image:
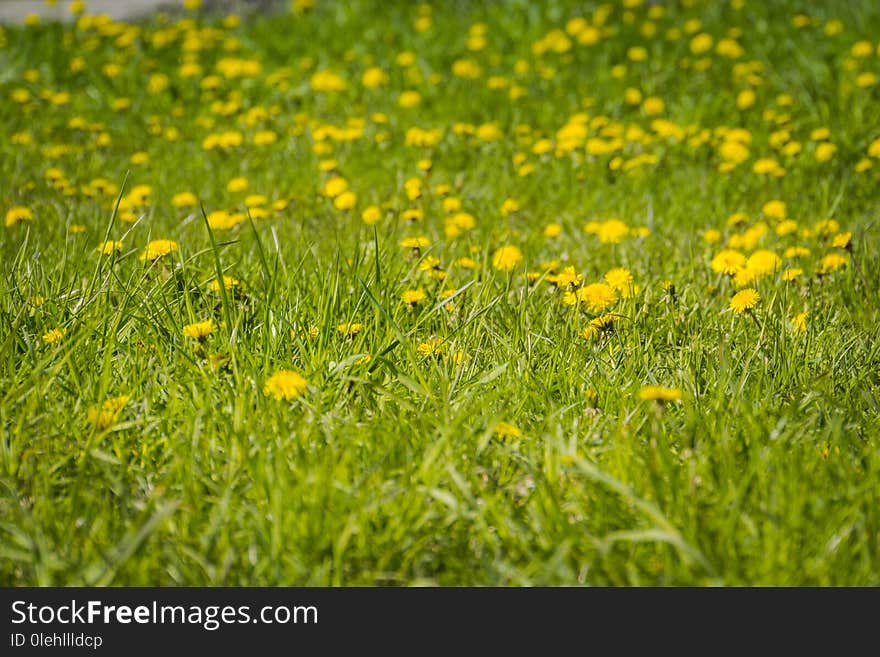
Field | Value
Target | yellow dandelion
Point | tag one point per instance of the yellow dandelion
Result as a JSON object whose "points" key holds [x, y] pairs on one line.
{"points": [[199, 330], [597, 297], [345, 201], [371, 215], [157, 249], [349, 329], [431, 347], [237, 185], [109, 247], [412, 297], [621, 280], [285, 384], [107, 414], [55, 335], [507, 430], [799, 323], [415, 242], [744, 300], [832, 262], [18, 213], [842, 240], [506, 258], [660, 393], [728, 261]]}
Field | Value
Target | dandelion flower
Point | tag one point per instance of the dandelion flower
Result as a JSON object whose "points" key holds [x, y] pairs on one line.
{"points": [[349, 329], [744, 300], [157, 249], [184, 200], [507, 430], [109, 247], [285, 384], [842, 240], [728, 262], [55, 335], [597, 297], [412, 297], [345, 201], [660, 393], [621, 280], [430, 347], [506, 258], [199, 330], [799, 323], [107, 414], [371, 215], [832, 262], [18, 213], [229, 283]]}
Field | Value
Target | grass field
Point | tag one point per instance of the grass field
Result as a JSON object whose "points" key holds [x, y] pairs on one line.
{"points": [[463, 294]]}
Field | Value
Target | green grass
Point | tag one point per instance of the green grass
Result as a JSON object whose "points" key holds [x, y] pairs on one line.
{"points": [[391, 471]]}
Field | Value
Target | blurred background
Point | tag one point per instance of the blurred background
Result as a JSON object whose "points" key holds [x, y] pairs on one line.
{"points": [[17, 11]]}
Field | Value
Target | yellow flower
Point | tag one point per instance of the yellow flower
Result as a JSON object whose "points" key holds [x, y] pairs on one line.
{"points": [[264, 137], [107, 414], [792, 274], [597, 297], [374, 77], [415, 242], [430, 347], [728, 262], [799, 323], [158, 248], [229, 283], [552, 230], [108, 247], [345, 201], [653, 106], [237, 185], [223, 220], [842, 240], [199, 330], [327, 81], [832, 262], [610, 231], [55, 335], [660, 393], [409, 99], [507, 430], [568, 277], [509, 206], [600, 324], [774, 209], [744, 300], [184, 200], [18, 213], [285, 384], [506, 258], [621, 280], [825, 151], [349, 329], [412, 297], [371, 215], [334, 187]]}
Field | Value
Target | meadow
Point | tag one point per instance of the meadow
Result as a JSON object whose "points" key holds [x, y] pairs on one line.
{"points": [[460, 293]]}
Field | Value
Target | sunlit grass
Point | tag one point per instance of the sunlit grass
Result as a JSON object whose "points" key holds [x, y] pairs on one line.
{"points": [[474, 293]]}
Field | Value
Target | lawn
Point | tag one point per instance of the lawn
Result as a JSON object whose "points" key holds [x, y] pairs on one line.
{"points": [[520, 293]]}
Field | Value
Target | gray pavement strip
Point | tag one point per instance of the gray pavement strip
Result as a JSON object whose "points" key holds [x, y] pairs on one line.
{"points": [[15, 11]]}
